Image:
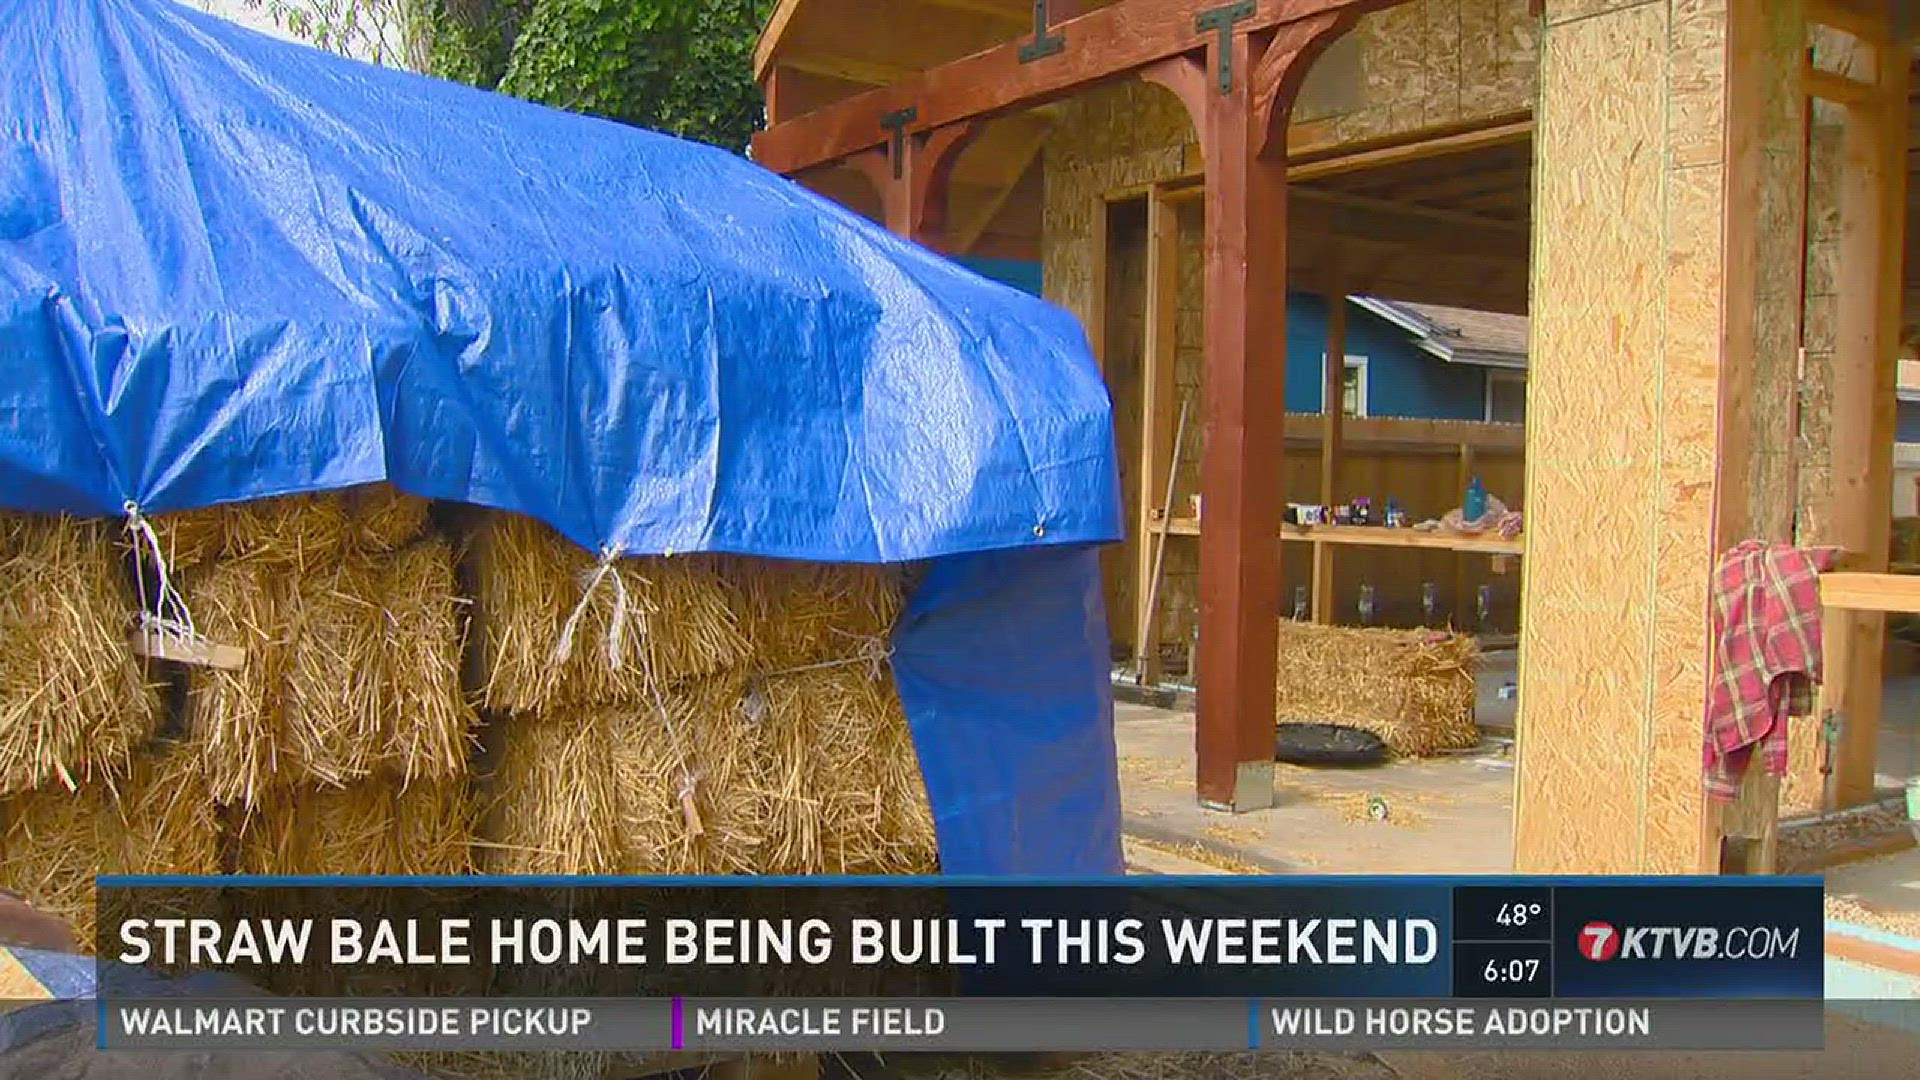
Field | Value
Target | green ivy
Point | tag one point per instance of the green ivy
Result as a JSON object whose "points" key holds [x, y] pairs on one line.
{"points": [[682, 66]]}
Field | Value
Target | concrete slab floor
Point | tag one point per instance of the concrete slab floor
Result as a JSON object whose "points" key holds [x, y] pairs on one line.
{"points": [[1889, 884], [1897, 753], [1445, 816]]}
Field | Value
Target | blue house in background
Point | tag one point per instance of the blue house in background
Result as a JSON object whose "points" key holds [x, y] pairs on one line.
{"points": [[1408, 360]]}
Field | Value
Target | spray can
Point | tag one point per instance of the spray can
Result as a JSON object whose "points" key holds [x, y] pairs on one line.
{"points": [[1300, 606], [1366, 604]]}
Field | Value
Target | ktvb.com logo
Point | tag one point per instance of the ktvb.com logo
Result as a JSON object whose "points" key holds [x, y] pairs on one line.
{"points": [[1601, 941]]}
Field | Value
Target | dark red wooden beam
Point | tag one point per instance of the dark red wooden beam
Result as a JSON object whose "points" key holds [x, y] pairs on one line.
{"points": [[1110, 43], [1241, 124]]}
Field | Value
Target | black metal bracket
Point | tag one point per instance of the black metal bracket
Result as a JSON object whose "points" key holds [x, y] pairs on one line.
{"points": [[895, 124], [1222, 20], [1043, 44]]}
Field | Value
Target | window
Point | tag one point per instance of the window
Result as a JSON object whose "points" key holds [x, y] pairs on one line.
{"points": [[1353, 398], [1506, 397]]}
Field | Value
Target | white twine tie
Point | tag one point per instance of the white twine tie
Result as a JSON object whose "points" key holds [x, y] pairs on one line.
{"points": [[169, 615], [873, 651], [617, 628]]}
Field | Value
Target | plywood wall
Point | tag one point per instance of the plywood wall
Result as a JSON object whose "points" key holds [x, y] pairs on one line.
{"points": [[1639, 176], [1425, 64]]}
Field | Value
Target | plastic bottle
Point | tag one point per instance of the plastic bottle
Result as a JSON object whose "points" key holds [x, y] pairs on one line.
{"points": [[1475, 506]]}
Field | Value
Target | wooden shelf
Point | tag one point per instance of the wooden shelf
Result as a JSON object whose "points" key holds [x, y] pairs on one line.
{"points": [[1871, 592], [1372, 536]]}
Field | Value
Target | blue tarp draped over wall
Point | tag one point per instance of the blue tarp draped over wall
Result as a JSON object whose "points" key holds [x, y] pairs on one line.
{"points": [[233, 267]]}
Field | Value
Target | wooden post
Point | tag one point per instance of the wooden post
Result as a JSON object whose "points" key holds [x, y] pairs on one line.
{"points": [[1333, 413], [1241, 469], [1239, 98], [1158, 410], [1865, 374], [1649, 411], [1463, 600]]}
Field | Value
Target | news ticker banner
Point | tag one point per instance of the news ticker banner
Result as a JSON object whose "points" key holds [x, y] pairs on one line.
{"points": [[941, 964], [956, 1025]]}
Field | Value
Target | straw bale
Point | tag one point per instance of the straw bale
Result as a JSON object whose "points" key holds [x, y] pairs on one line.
{"points": [[430, 724], [309, 706], [302, 531], [704, 731], [333, 704], [157, 819], [799, 613], [838, 767], [190, 538], [74, 700], [234, 716], [298, 532], [384, 518], [682, 622], [1412, 688], [378, 826], [554, 803]]}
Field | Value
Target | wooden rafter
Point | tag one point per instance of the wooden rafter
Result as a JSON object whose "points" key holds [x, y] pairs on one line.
{"points": [[849, 69], [1105, 44], [1014, 12]]}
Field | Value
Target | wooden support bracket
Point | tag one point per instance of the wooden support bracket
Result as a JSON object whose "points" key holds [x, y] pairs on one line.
{"points": [[1222, 20], [1043, 44], [912, 176]]}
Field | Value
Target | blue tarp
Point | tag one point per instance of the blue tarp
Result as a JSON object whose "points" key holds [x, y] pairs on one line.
{"points": [[233, 267]]}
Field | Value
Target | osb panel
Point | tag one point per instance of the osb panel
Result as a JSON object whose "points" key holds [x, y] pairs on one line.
{"points": [[1114, 137], [1690, 374], [1561, 11], [1593, 478], [1424, 64]]}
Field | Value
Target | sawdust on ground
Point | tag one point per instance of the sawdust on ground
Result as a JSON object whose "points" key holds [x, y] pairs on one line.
{"points": [[1803, 844], [1904, 923], [1201, 853]]}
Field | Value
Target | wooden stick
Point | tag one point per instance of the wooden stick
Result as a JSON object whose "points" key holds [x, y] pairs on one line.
{"points": [[1166, 517]]}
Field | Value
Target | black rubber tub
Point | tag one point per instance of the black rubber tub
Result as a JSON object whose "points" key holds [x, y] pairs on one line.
{"points": [[1328, 746]]}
